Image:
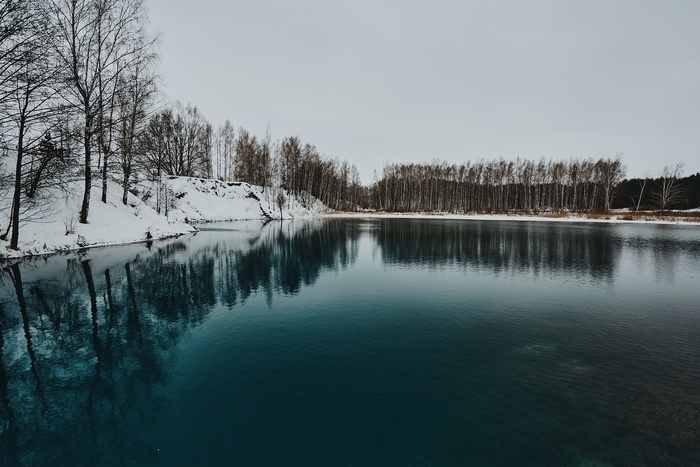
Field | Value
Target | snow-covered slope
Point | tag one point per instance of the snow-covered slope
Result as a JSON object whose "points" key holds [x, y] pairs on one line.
{"points": [[204, 200], [190, 200], [57, 227]]}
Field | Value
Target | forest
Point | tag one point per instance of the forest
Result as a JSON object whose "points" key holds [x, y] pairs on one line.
{"points": [[529, 186], [81, 100]]}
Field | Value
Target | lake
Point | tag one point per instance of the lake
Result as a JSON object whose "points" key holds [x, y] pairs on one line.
{"points": [[358, 342]]}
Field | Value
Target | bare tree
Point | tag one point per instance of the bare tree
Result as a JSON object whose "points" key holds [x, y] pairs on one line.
{"points": [[668, 191], [93, 41], [610, 172], [108, 122], [264, 161], [638, 201], [289, 159], [15, 19], [226, 136], [187, 155], [137, 91], [51, 161], [281, 199], [208, 149], [177, 142], [155, 145], [29, 98], [246, 149]]}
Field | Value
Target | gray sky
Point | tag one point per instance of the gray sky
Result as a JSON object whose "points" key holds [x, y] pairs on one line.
{"points": [[408, 81]]}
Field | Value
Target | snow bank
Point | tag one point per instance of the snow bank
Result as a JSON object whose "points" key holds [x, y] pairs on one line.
{"points": [[190, 200], [58, 229], [198, 200]]}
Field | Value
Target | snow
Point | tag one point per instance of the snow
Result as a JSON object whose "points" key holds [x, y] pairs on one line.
{"points": [[195, 201], [199, 200], [108, 223], [191, 200]]}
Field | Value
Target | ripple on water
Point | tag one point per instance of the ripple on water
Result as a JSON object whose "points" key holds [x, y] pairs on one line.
{"points": [[538, 349], [576, 367]]}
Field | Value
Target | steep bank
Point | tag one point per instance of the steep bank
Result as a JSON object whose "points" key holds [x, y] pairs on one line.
{"points": [[198, 200], [54, 226]]}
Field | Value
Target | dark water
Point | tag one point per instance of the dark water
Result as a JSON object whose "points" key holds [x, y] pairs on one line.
{"points": [[359, 342]]}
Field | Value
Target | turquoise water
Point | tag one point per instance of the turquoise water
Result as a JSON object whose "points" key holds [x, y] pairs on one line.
{"points": [[358, 342]]}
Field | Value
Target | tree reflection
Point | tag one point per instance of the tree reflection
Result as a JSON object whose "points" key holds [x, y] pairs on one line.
{"points": [[536, 248], [84, 357], [8, 426], [87, 341]]}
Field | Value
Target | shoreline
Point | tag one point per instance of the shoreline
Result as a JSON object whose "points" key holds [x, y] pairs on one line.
{"points": [[613, 218], [56, 229]]}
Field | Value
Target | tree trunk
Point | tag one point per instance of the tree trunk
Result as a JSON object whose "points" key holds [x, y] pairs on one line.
{"points": [[88, 173], [125, 195], [14, 239], [104, 178]]}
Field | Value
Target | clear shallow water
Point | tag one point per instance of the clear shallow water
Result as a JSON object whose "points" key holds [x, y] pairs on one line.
{"points": [[359, 342]]}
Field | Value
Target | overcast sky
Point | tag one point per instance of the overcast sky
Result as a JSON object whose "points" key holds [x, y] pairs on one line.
{"points": [[409, 81]]}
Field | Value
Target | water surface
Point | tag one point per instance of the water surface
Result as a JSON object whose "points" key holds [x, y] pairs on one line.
{"points": [[358, 342]]}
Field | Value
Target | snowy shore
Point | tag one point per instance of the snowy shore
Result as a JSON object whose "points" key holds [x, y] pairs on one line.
{"points": [[189, 200], [194, 200]]}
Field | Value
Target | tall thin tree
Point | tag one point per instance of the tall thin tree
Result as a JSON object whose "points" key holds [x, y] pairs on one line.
{"points": [[92, 41]]}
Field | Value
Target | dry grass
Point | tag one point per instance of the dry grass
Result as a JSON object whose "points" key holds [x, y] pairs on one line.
{"points": [[598, 215], [433, 213], [556, 215], [670, 216]]}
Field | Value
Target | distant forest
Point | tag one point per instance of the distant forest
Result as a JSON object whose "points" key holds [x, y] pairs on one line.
{"points": [[80, 101], [529, 186], [687, 194]]}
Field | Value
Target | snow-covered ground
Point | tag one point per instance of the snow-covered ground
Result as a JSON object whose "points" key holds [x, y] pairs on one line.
{"points": [[198, 200], [190, 200], [58, 229]]}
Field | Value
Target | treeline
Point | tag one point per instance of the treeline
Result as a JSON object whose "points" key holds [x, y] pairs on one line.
{"points": [[180, 141], [667, 191], [306, 173], [529, 186], [499, 186]]}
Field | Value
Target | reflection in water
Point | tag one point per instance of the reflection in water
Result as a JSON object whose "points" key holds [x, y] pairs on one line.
{"points": [[185, 286], [83, 359], [88, 346], [76, 374], [532, 247]]}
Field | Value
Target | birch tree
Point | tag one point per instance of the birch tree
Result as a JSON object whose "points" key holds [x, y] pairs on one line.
{"points": [[28, 91], [668, 191], [137, 91], [92, 43]]}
